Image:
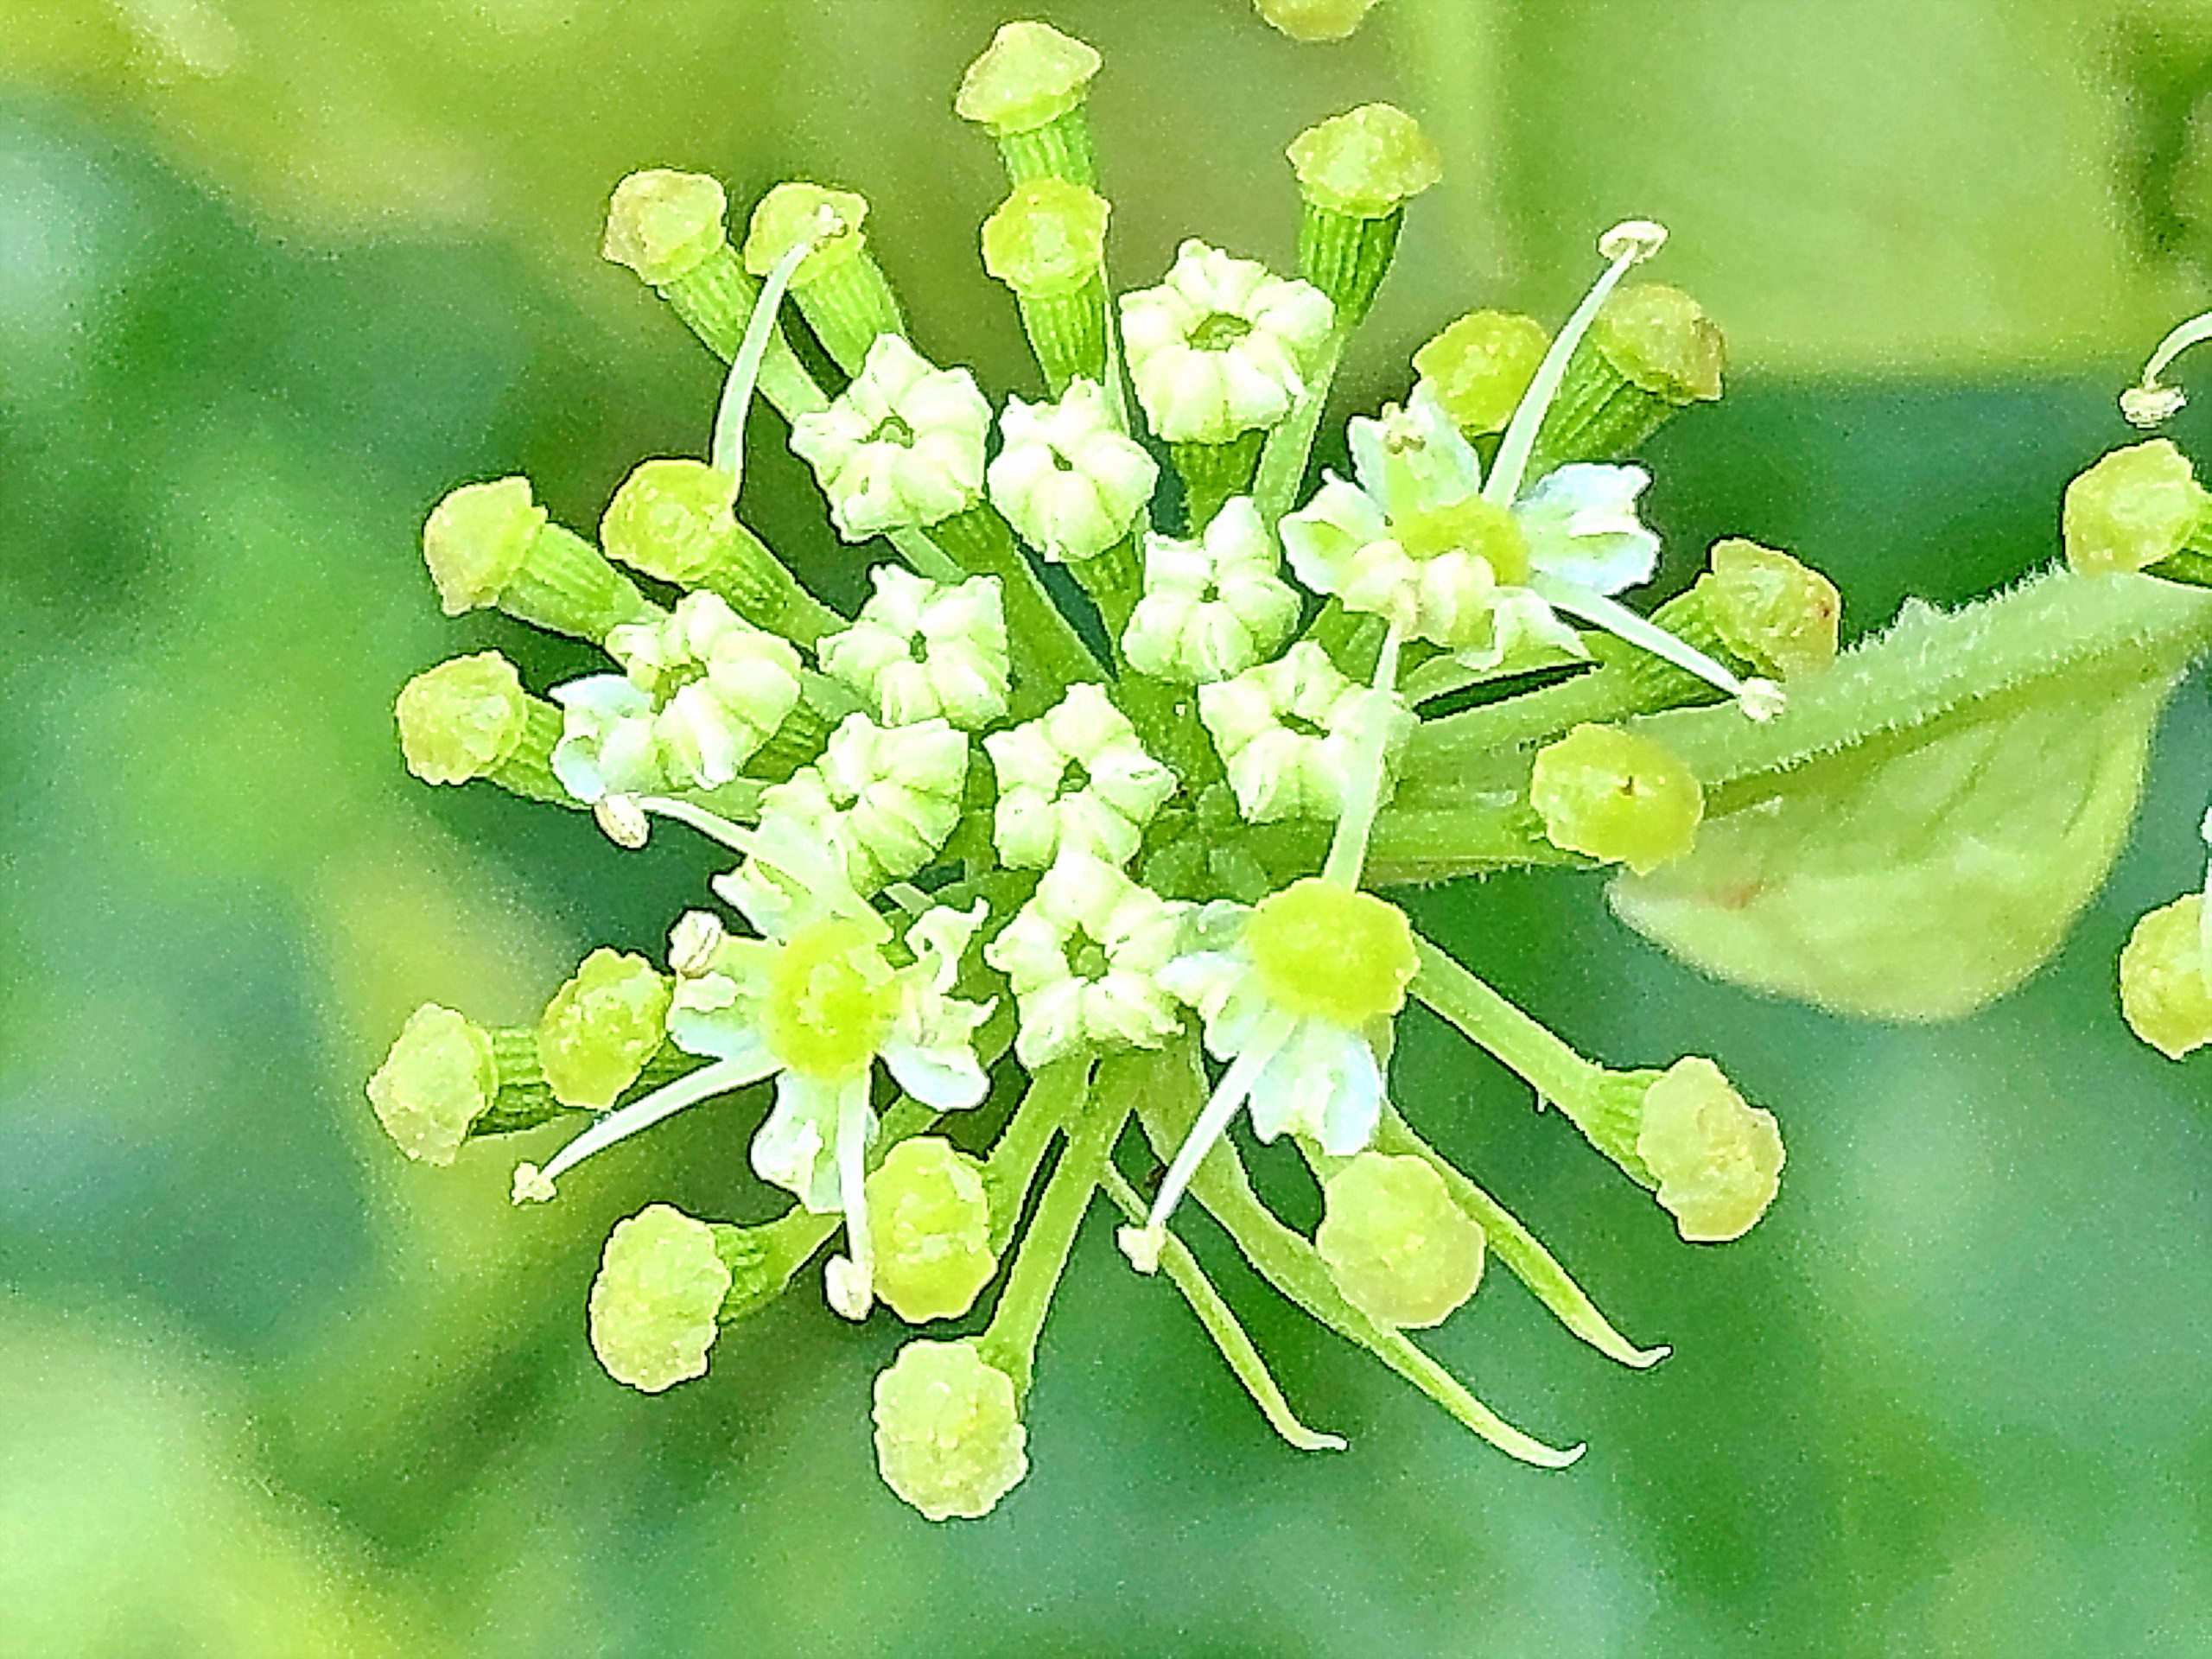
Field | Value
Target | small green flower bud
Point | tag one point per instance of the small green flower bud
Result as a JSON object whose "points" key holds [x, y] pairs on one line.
{"points": [[2135, 507], [460, 720], [1651, 353], [1616, 796], [839, 286], [673, 519], [1046, 241], [1355, 172], [1315, 20], [1027, 92], [2163, 991], [796, 212], [949, 1437], [932, 1225], [1766, 608], [1717, 1160], [1031, 74], [1663, 341], [476, 539], [661, 1285], [1395, 1243], [1048, 237], [439, 1078], [490, 544], [1365, 164], [1478, 367], [601, 1028], [664, 224]]}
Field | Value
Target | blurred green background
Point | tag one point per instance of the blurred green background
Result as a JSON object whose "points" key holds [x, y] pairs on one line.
{"points": [[276, 273]]}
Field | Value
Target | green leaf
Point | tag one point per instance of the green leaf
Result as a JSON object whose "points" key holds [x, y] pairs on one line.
{"points": [[1916, 835]]}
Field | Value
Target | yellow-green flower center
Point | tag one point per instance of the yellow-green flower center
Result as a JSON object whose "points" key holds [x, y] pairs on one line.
{"points": [[1473, 525], [1329, 952], [831, 998]]}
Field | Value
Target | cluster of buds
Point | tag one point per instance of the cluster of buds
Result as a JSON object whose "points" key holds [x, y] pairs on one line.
{"points": [[1035, 890]]}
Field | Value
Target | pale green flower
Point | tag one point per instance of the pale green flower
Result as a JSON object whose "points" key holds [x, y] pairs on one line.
{"points": [[1222, 345], [1211, 607], [1074, 779], [923, 649], [1066, 477], [1084, 956], [902, 447], [1290, 733]]}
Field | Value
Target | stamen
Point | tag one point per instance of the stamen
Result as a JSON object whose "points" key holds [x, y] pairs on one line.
{"points": [[1758, 699], [533, 1185], [728, 448], [2148, 404], [621, 820], [1627, 244], [1142, 1244], [849, 1282], [1364, 787], [713, 825], [692, 943]]}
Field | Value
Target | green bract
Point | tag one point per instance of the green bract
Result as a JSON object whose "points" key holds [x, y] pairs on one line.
{"points": [[1080, 872]]}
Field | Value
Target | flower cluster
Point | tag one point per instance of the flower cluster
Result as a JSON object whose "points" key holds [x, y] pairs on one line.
{"points": [[1028, 883]]}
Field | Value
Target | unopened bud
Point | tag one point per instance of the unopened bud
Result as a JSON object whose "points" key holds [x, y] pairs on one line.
{"points": [[932, 1225], [1769, 610], [664, 224], [1616, 796], [1355, 173], [601, 1028], [1394, 1242], [460, 720], [1315, 20], [1651, 353], [2163, 991], [654, 1305], [1478, 367], [491, 544], [949, 1437], [2135, 507], [1718, 1161], [1031, 74], [439, 1078]]}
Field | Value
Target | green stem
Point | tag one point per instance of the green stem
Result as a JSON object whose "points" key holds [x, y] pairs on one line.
{"points": [[1009, 1344], [1290, 446], [1523, 1254], [1290, 1263], [1052, 1095], [1049, 656], [1556, 1071], [1220, 1322]]}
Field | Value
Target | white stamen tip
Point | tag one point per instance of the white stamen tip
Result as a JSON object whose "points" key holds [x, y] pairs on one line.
{"points": [[1633, 239], [1762, 699], [849, 1288], [1142, 1245], [2149, 405], [532, 1186], [622, 819], [693, 941]]}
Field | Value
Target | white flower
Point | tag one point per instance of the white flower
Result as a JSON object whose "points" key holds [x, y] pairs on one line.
{"points": [[1416, 542], [815, 1003], [1221, 347], [1066, 477], [923, 649], [608, 746], [881, 801], [902, 447], [1081, 956], [1211, 607], [1290, 733], [1074, 779], [1297, 994], [721, 686], [1478, 565]]}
